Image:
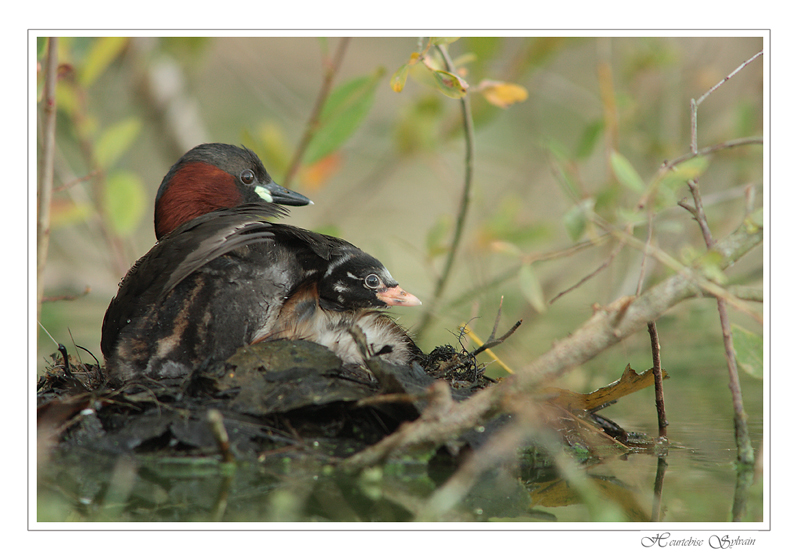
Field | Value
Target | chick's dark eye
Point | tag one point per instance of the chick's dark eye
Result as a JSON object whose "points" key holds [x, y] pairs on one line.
{"points": [[372, 281], [247, 176]]}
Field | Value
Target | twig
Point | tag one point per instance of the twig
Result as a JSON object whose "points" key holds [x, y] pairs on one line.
{"points": [[743, 443], [70, 184], [655, 347], [756, 140], [45, 192], [695, 104], [699, 213], [331, 68], [492, 341], [67, 297], [461, 218], [607, 262]]}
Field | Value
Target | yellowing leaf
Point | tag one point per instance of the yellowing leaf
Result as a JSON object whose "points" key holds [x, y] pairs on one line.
{"points": [[625, 172], [398, 79], [502, 94], [450, 84], [125, 201]]}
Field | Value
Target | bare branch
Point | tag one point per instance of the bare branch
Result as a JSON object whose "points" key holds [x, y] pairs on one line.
{"points": [[713, 149], [695, 104], [745, 447], [607, 262], [655, 347]]}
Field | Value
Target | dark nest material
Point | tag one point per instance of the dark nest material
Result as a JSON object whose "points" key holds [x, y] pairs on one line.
{"points": [[271, 396]]}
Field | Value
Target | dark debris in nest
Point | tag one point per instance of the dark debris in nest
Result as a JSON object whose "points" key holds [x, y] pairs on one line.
{"points": [[274, 396], [460, 369]]}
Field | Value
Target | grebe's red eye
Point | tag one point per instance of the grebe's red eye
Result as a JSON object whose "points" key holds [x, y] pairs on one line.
{"points": [[247, 176]]}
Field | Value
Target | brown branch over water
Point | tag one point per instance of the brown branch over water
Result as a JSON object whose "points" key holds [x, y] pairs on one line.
{"points": [[746, 455], [655, 347], [445, 419]]}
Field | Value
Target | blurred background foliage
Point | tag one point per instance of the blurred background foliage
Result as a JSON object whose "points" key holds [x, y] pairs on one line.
{"points": [[563, 127]]}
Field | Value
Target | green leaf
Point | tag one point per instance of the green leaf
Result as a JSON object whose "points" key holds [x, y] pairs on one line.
{"points": [[116, 140], [532, 288], [591, 134], [450, 84], [749, 349], [398, 79], [125, 201], [344, 111], [625, 173], [103, 52], [575, 218]]}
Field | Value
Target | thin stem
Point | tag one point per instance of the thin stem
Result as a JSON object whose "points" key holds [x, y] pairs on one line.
{"points": [[746, 454], [695, 104], [755, 140], [655, 347], [45, 192], [332, 67], [606, 263], [469, 160]]}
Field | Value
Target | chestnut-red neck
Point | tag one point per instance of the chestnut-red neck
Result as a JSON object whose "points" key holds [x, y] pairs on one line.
{"points": [[196, 189]]}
